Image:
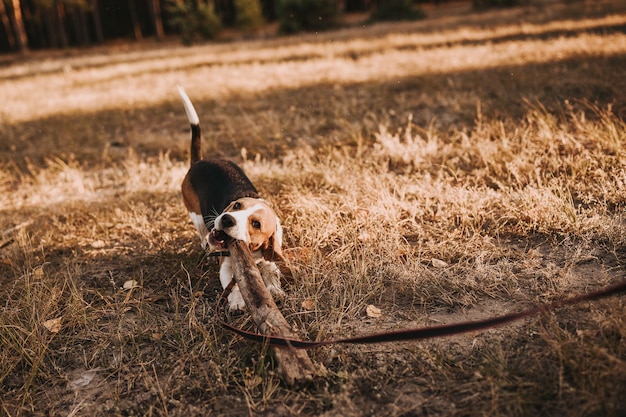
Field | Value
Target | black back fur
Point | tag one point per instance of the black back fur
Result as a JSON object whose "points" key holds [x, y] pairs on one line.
{"points": [[218, 182]]}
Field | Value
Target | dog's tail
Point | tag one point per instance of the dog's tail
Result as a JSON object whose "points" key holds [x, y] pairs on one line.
{"points": [[194, 121]]}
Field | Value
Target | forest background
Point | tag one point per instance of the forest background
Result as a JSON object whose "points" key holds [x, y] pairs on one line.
{"points": [[44, 24]]}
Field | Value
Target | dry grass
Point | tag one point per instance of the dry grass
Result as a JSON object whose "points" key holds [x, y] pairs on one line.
{"points": [[443, 170]]}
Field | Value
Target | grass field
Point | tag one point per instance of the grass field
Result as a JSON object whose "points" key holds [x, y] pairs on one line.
{"points": [[460, 167]]}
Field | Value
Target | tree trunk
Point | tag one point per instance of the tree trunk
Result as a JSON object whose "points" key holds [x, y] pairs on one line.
{"points": [[18, 26], [97, 22], [6, 24], [155, 11], [58, 17], [80, 25], [135, 19], [50, 28], [294, 365]]}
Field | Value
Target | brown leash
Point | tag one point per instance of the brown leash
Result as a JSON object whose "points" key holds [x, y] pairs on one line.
{"points": [[414, 334]]}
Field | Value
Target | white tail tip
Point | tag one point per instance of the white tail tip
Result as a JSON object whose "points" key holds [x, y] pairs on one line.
{"points": [[189, 109]]}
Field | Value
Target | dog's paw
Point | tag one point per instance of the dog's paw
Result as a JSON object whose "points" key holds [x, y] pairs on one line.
{"points": [[277, 293], [271, 276], [235, 302]]}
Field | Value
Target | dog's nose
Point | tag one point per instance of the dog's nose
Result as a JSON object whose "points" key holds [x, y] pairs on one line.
{"points": [[227, 221]]}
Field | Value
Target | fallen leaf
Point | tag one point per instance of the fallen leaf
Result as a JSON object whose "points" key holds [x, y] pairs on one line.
{"points": [[83, 379], [130, 284], [253, 381], [342, 374], [587, 333], [373, 311], [53, 325], [308, 304], [98, 244], [438, 263], [38, 272]]}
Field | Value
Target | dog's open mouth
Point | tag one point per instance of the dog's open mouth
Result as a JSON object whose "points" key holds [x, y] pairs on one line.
{"points": [[219, 238]]}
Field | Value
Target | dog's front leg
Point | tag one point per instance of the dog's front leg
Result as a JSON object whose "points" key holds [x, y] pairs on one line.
{"points": [[235, 299]]}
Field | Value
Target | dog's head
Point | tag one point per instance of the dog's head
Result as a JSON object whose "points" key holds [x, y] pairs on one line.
{"points": [[252, 221]]}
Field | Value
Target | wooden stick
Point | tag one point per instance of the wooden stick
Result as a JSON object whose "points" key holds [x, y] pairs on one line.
{"points": [[7, 243], [293, 365], [18, 227]]}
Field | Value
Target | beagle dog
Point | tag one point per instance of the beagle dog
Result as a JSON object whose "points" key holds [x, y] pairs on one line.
{"points": [[224, 204]]}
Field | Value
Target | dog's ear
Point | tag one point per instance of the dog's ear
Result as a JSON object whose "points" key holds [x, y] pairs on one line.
{"points": [[273, 252]]}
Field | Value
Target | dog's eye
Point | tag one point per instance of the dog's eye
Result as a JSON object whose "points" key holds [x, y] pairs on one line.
{"points": [[237, 206], [256, 224]]}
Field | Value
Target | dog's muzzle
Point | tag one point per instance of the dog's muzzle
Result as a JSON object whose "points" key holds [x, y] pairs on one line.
{"points": [[219, 238], [226, 221]]}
